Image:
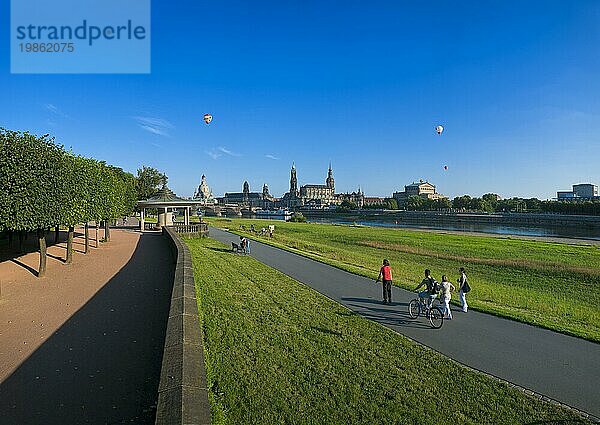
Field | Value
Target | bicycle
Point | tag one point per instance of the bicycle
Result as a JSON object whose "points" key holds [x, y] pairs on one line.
{"points": [[434, 313]]}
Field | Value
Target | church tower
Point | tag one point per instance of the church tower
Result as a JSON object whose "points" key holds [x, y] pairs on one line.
{"points": [[330, 181], [246, 191], [293, 181]]}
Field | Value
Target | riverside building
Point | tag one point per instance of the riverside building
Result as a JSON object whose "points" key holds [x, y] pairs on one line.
{"points": [[423, 189], [580, 192], [317, 196]]}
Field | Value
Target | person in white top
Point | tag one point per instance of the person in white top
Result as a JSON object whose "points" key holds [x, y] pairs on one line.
{"points": [[446, 291], [463, 288]]}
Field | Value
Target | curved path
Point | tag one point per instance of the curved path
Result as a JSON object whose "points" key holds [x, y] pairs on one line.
{"points": [[564, 368]]}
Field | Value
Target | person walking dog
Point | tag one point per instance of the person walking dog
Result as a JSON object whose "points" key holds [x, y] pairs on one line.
{"points": [[463, 288], [385, 274]]}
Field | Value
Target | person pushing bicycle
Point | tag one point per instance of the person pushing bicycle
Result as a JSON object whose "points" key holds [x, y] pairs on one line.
{"points": [[431, 288]]}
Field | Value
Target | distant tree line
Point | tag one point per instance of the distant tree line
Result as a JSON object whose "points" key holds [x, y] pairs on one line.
{"points": [[43, 186], [490, 202]]}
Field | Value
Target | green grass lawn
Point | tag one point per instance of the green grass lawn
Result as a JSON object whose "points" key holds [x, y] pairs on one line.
{"points": [[277, 352], [548, 284]]}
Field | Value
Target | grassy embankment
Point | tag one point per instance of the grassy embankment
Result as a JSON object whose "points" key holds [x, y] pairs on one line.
{"points": [[547, 284], [278, 352]]}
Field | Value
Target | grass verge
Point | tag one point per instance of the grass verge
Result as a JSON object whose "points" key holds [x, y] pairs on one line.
{"points": [[552, 285], [278, 352]]}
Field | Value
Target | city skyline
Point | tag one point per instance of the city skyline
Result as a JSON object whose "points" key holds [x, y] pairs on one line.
{"points": [[359, 188], [517, 94]]}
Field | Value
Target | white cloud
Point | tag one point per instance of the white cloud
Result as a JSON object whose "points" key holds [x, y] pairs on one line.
{"points": [[227, 151], [273, 157], [154, 125], [216, 153], [55, 110], [154, 130], [213, 154]]}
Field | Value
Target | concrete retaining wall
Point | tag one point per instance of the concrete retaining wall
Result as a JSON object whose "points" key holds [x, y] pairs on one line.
{"points": [[182, 391]]}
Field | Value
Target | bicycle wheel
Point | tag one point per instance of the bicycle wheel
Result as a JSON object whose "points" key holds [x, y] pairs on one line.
{"points": [[436, 317], [414, 309]]}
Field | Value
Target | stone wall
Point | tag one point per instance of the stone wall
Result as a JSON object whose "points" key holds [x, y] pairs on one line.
{"points": [[182, 392]]}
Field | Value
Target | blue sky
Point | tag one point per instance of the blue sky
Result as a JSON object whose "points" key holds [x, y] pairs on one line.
{"points": [[515, 85]]}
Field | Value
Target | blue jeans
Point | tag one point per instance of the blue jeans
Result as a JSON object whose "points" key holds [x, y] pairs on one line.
{"points": [[425, 294]]}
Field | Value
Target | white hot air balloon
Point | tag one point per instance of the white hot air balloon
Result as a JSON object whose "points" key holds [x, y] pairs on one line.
{"points": [[207, 118], [439, 129]]}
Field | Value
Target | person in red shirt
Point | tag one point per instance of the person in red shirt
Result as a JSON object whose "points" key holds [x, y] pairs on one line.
{"points": [[385, 274]]}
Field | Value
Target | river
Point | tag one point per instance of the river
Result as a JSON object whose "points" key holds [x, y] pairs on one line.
{"points": [[526, 230]]}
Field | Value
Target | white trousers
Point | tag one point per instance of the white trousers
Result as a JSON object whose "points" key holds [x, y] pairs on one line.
{"points": [[463, 301], [447, 311]]}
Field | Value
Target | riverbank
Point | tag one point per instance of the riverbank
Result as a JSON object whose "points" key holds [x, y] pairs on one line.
{"points": [[279, 352], [550, 239], [541, 283], [513, 224]]}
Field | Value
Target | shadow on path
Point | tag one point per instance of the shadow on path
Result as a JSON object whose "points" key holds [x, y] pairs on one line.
{"points": [[25, 266], [31, 244], [103, 365]]}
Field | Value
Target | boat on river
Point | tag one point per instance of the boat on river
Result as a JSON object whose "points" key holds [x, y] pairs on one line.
{"points": [[282, 212]]}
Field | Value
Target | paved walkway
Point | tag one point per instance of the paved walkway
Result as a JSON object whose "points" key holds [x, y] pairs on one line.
{"points": [[561, 367], [84, 344]]}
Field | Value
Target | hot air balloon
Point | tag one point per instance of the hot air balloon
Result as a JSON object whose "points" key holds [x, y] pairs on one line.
{"points": [[439, 129], [207, 118], [445, 167]]}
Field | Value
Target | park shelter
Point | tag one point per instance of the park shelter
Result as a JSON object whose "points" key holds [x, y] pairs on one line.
{"points": [[166, 202]]}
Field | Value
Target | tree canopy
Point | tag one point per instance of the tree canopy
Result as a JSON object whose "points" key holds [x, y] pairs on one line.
{"points": [[42, 185], [148, 181]]}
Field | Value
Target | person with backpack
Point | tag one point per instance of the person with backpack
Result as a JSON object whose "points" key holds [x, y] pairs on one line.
{"points": [[446, 289], [431, 288], [463, 288], [385, 274]]}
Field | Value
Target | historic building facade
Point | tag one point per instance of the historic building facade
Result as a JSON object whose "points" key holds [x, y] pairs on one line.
{"points": [[370, 201], [357, 198], [246, 198], [317, 196], [422, 189]]}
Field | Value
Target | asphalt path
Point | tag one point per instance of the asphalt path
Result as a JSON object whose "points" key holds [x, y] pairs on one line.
{"points": [[564, 368]]}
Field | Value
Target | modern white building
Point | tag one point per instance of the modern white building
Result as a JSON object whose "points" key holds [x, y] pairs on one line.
{"points": [[582, 191]]}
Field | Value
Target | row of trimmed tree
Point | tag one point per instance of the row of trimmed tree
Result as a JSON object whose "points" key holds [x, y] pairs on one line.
{"points": [[43, 186]]}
